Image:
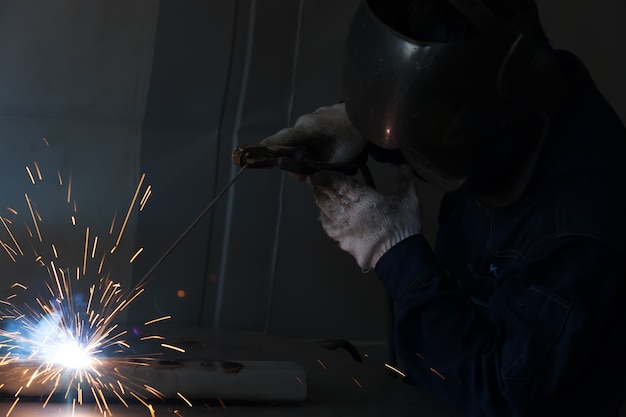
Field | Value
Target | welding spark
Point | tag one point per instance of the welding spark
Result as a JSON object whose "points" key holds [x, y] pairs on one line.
{"points": [[61, 345], [59, 335], [396, 370], [184, 399]]}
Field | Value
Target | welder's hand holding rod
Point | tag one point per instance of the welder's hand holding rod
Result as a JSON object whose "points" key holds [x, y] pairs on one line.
{"points": [[322, 140], [324, 148], [363, 221], [326, 132]]}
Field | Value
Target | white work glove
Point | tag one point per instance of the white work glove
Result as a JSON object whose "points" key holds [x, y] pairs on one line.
{"points": [[365, 222], [327, 132]]}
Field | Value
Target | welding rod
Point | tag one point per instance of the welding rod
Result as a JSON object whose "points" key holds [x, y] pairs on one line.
{"points": [[191, 226]]}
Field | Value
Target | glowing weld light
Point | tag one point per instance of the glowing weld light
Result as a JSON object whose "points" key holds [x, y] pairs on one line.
{"points": [[70, 354]]}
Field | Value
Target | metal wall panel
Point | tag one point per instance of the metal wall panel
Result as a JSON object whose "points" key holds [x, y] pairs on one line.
{"points": [[76, 60], [244, 273], [76, 74], [180, 148]]}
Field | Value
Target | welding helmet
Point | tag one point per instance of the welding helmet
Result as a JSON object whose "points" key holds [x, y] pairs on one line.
{"points": [[431, 95]]}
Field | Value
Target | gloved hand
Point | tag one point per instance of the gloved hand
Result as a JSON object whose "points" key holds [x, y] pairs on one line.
{"points": [[326, 132], [365, 222]]}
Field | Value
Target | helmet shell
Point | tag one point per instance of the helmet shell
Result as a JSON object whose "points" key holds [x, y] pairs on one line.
{"points": [[409, 94]]}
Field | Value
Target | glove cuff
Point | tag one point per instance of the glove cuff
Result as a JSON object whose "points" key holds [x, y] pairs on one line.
{"points": [[396, 237]]}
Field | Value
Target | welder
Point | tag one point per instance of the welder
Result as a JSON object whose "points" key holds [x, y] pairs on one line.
{"points": [[520, 307]]}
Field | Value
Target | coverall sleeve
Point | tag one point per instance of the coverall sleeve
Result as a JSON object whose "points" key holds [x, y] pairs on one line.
{"points": [[553, 327]]}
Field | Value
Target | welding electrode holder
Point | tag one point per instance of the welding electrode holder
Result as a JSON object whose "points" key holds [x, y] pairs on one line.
{"points": [[294, 159]]}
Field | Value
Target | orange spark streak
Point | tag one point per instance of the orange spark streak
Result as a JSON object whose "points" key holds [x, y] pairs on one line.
{"points": [[59, 178], [176, 348], [69, 189], [184, 399], [86, 250], [434, 371], [136, 255], [12, 407], [127, 302], [321, 364], [56, 278], [157, 320], [91, 291], [38, 171], [11, 235], [146, 195], [113, 223], [101, 263], [17, 284], [138, 398], [30, 175], [119, 237], [106, 291], [8, 250], [56, 385], [95, 397], [32, 213], [357, 382], [95, 244], [120, 398], [152, 337], [396, 370], [12, 210]]}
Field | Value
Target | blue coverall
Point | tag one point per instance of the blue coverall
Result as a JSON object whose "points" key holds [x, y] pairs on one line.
{"points": [[521, 310]]}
